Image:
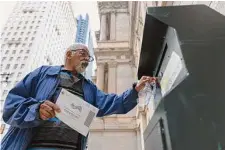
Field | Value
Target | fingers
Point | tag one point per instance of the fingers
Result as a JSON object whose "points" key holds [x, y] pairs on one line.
{"points": [[47, 110], [45, 114], [148, 78], [46, 107], [53, 106]]}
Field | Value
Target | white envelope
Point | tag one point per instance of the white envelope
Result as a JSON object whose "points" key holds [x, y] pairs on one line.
{"points": [[75, 112]]}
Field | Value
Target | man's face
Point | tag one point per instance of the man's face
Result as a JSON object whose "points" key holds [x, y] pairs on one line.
{"points": [[79, 59]]}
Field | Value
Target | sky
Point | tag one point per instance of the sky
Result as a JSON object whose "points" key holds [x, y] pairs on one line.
{"points": [[79, 7]]}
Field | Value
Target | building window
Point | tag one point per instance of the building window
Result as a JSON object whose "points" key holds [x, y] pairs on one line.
{"points": [[31, 27], [26, 22], [19, 39], [14, 52], [8, 33], [37, 27], [34, 32], [3, 45], [32, 21], [15, 33], [26, 38], [21, 51], [11, 58], [6, 39], [3, 58], [6, 52], [30, 44], [28, 33], [28, 51], [24, 27], [18, 28], [5, 28], [16, 45], [15, 66], [21, 33], [20, 22], [19, 74], [32, 38], [5, 92], [11, 28], [23, 45], [18, 58], [25, 58], [7, 66], [22, 66]]}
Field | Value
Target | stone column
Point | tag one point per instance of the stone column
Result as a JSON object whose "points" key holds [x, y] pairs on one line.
{"points": [[100, 76], [103, 27], [113, 26], [112, 77]]}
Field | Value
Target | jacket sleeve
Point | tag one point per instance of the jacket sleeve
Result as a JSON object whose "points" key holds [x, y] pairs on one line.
{"points": [[109, 104], [20, 109]]}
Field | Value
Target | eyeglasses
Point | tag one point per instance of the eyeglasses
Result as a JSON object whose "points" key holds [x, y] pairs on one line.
{"points": [[83, 53]]}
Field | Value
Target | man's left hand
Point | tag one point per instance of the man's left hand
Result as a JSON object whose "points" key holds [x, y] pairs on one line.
{"points": [[141, 84]]}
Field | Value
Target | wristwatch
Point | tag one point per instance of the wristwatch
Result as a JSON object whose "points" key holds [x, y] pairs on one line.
{"points": [[134, 85]]}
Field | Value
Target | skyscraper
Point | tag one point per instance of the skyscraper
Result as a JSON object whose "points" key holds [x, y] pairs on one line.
{"points": [[36, 33], [84, 36]]}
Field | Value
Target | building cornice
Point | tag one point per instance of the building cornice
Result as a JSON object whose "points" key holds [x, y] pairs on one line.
{"points": [[117, 6]]}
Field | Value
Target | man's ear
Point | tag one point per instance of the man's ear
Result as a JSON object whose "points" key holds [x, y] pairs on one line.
{"points": [[68, 54]]}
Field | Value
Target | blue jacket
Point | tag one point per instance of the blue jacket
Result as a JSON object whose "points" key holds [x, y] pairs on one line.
{"points": [[22, 104]]}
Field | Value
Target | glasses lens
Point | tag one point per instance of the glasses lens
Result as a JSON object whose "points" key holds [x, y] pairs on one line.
{"points": [[90, 58]]}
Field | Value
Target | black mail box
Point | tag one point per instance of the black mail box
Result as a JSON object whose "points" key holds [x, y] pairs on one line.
{"points": [[185, 47]]}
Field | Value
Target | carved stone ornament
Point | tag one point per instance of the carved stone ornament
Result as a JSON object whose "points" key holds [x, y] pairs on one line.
{"points": [[112, 5]]}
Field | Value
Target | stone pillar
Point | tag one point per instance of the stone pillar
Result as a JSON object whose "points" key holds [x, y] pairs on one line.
{"points": [[142, 125], [112, 77], [113, 26], [100, 76], [103, 28]]}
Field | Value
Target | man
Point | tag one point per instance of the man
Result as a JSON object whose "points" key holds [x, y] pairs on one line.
{"points": [[30, 106]]}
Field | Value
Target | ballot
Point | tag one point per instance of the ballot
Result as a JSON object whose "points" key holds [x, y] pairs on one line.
{"points": [[75, 112]]}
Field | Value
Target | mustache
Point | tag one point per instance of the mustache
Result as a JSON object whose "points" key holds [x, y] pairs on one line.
{"points": [[84, 63]]}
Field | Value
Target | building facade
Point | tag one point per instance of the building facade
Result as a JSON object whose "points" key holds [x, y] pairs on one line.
{"points": [[84, 36], [36, 33], [117, 55]]}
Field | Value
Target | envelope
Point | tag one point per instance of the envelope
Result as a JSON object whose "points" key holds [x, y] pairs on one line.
{"points": [[75, 112]]}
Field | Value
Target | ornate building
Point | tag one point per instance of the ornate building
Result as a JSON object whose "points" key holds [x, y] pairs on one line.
{"points": [[119, 42], [117, 55]]}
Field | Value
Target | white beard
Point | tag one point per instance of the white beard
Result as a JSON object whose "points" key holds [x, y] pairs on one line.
{"points": [[81, 67]]}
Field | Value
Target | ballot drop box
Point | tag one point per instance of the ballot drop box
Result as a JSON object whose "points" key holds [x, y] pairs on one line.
{"points": [[184, 46]]}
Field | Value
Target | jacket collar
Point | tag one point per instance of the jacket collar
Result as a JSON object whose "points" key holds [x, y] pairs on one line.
{"points": [[54, 70]]}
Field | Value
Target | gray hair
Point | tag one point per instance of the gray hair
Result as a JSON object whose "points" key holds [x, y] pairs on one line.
{"points": [[75, 47]]}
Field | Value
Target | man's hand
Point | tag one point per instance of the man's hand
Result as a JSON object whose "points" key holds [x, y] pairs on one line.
{"points": [[141, 84], [47, 110]]}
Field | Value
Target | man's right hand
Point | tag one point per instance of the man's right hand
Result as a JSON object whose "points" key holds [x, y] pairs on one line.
{"points": [[47, 110]]}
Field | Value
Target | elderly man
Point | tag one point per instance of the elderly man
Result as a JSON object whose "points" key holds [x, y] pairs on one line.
{"points": [[30, 106]]}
